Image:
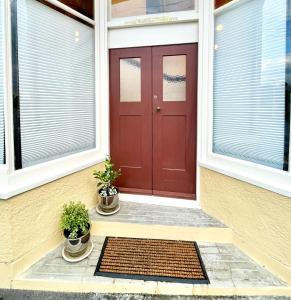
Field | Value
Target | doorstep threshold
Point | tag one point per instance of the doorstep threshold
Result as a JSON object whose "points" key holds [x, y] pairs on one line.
{"points": [[157, 200]]}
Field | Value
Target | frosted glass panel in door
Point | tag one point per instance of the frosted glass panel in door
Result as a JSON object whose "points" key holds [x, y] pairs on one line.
{"points": [[130, 80], [174, 78]]}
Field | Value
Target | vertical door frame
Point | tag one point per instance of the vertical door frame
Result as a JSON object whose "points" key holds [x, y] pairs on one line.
{"points": [[203, 65]]}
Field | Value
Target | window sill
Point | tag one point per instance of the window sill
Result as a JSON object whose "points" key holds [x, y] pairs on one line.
{"points": [[264, 177], [32, 177]]}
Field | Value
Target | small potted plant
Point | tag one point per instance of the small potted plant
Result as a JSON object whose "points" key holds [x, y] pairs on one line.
{"points": [[75, 223], [109, 199]]}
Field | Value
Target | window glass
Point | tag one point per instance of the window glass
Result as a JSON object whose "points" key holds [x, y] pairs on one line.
{"points": [[128, 8], [251, 89], [2, 136], [130, 80], [56, 84]]}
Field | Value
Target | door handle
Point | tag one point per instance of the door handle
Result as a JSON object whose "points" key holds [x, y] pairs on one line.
{"points": [[158, 109]]}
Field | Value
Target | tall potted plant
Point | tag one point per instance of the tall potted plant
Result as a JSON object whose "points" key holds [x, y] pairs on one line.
{"points": [[108, 193], [75, 223]]}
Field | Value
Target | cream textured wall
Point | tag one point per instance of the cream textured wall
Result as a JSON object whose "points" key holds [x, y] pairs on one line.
{"points": [[29, 222], [260, 219]]}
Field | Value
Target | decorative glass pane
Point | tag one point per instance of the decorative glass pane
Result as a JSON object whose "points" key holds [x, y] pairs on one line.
{"points": [[251, 89], [130, 80], [127, 8], [56, 83], [2, 133], [174, 78]]}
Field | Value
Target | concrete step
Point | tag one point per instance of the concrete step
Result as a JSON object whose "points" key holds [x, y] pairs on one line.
{"points": [[229, 270], [161, 222]]}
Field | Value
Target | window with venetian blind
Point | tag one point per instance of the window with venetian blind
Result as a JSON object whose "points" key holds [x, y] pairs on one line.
{"points": [[252, 82], [56, 84]]}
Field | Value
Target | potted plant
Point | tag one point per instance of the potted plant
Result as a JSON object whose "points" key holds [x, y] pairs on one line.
{"points": [[109, 199], [75, 223]]}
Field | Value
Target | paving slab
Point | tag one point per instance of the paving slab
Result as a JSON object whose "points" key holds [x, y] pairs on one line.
{"points": [[227, 267], [141, 213]]}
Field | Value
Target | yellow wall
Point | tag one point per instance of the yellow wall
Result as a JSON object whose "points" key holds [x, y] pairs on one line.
{"points": [[260, 219], [29, 222]]}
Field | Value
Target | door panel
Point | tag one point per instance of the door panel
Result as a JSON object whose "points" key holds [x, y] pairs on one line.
{"points": [[174, 123], [172, 133], [153, 119], [131, 117]]}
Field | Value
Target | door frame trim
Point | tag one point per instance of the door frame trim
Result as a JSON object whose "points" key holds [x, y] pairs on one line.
{"points": [[103, 63]]}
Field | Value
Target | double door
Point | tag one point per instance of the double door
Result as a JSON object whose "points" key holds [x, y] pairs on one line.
{"points": [[153, 95]]}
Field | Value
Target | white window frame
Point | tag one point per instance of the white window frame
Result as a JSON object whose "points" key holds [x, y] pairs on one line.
{"points": [[153, 19], [265, 177], [14, 182]]}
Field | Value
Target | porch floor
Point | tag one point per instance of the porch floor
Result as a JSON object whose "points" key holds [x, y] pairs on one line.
{"points": [[140, 213], [230, 273]]}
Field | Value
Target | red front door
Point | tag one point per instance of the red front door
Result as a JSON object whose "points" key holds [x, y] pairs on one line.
{"points": [[153, 119]]}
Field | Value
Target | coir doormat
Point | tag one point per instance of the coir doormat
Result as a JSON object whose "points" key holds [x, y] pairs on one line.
{"points": [[149, 259]]}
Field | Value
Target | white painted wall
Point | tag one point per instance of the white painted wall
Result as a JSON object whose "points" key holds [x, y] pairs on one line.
{"points": [[153, 35]]}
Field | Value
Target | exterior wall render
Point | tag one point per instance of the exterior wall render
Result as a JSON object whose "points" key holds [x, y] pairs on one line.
{"points": [[29, 222], [260, 219]]}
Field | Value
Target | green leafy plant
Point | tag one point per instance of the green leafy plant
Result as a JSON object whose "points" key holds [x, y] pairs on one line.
{"points": [[107, 178], [75, 220]]}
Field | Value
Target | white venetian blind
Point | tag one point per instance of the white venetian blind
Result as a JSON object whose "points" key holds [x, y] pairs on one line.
{"points": [[249, 82], [56, 83], [2, 137]]}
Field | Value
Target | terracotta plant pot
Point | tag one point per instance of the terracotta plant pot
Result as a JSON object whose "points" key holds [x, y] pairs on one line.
{"points": [[77, 247]]}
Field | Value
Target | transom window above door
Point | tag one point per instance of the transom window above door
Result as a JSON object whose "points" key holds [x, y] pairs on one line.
{"points": [[130, 8]]}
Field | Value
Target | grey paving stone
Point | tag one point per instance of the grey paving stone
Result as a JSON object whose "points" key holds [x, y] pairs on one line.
{"points": [[90, 271], [72, 269], [222, 283], [98, 240], [231, 266], [209, 250], [59, 261], [91, 261], [156, 214], [226, 266]]}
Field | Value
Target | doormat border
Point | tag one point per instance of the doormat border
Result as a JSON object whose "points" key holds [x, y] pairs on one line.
{"points": [[149, 277]]}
